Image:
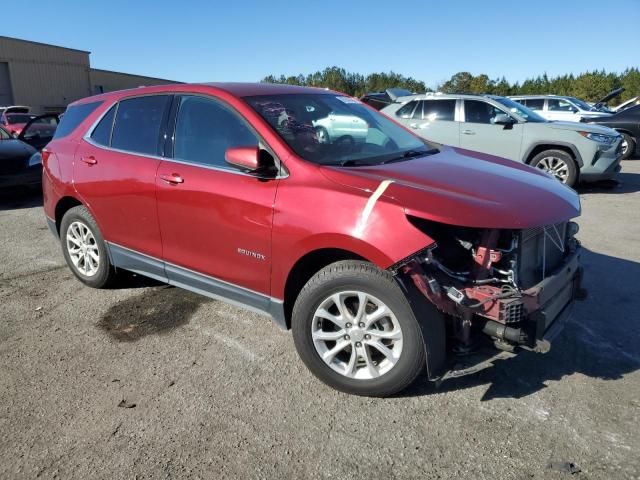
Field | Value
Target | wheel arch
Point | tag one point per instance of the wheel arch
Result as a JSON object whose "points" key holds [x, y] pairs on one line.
{"points": [[63, 205], [305, 268], [534, 150]]}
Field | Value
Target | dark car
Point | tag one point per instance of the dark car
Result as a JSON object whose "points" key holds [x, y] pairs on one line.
{"points": [[383, 256], [627, 122], [379, 100], [20, 161]]}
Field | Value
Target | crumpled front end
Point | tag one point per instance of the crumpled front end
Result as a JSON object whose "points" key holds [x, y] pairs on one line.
{"points": [[511, 288]]}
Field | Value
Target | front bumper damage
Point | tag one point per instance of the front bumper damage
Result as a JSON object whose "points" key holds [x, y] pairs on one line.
{"points": [[489, 321]]}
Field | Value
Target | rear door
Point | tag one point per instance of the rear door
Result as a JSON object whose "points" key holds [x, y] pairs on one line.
{"points": [[479, 133], [435, 120], [115, 172], [215, 219]]}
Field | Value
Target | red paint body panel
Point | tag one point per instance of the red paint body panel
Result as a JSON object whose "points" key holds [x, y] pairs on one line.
{"points": [[205, 222]]}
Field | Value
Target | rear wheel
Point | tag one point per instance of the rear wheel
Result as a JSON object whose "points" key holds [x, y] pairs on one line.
{"points": [[557, 163], [628, 146], [84, 249], [355, 331]]}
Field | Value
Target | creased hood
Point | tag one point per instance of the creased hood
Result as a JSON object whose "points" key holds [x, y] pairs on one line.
{"points": [[461, 187], [582, 127]]}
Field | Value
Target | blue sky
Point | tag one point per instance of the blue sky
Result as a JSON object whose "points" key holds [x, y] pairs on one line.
{"points": [[246, 40]]}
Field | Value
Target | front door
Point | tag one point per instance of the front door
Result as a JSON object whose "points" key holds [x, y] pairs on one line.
{"points": [[479, 133], [562, 110], [215, 219], [115, 173]]}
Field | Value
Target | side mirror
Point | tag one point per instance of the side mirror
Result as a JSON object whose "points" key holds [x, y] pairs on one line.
{"points": [[247, 158], [503, 119]]}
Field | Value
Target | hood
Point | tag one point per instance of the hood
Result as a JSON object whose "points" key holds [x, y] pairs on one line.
{"points": [[612, 94], [465, 188], [583, 127]]}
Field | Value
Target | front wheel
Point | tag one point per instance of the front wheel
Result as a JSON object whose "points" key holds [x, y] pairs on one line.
{"points": [[355, 331], [628, 146], [557, 163]]}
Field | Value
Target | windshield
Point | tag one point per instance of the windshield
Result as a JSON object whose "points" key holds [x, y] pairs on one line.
{"points": [[583, 105], [337, 130], [520, 110], [13, 118]]}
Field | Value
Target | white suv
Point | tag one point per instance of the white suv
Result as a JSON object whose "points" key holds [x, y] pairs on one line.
{"points": [[555, 107]]}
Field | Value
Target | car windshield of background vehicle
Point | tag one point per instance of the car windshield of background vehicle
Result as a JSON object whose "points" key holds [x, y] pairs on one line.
{"points": [[337, 130], [520, 110], [13, 118], [583, 105]]}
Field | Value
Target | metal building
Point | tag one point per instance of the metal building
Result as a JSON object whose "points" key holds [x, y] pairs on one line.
{"points": [[47, 77]]}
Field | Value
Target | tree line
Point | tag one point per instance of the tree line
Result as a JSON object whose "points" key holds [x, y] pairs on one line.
{"points": [[589, 86]]}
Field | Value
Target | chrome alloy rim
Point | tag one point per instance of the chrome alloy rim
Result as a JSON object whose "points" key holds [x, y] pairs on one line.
{"points": [[625, 146], [357, 335], [556, 167], [83, 249]]}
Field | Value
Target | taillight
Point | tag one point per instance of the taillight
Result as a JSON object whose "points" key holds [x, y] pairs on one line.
{"points": [[45, 155]]}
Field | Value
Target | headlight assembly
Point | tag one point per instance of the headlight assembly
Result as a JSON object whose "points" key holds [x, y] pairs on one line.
{"points": [[599, 137], [35, 159]]}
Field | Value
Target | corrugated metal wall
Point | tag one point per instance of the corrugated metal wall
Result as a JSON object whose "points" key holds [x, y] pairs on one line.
{"points": [[45, 77], [107, 81]]}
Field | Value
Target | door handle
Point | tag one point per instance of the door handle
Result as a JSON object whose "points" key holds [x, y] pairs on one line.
{"points": [[468, 132], [172, 179], [90, 160]]}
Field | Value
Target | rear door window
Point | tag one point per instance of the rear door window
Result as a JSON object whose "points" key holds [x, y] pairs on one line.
{"points": [[407, 110], [138, 122], [533, 103], [74, 116], [436, 110]]}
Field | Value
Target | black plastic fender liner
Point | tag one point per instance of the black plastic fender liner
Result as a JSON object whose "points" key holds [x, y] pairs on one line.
{"points": [[432, 326]]}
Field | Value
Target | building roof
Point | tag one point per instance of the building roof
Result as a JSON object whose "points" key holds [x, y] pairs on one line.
{"points": [[43, 44]]}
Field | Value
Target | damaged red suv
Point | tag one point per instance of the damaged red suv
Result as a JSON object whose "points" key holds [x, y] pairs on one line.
{"points": [[385, 255]]}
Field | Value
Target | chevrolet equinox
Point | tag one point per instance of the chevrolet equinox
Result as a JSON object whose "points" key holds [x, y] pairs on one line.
{"points": [[384, 255]]}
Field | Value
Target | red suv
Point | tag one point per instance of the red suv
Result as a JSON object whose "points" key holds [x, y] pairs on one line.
{"points": [[384, 254]]}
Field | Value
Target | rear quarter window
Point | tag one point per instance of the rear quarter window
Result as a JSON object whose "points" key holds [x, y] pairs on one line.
{"points": [[74, 116]]}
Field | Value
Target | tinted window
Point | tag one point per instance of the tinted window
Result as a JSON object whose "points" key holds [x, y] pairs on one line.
{"points": [[407, 110], [476, 111], [13, 118], [557, 105], [533, 103], [102, 133], [205, 129], [74, 116], [439, 110], [138, 122], [417, 113]]}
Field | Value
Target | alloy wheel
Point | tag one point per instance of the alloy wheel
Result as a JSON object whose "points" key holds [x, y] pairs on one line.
{"points": [[357, 335], [625, 146], [83, 249], [555, 166]]}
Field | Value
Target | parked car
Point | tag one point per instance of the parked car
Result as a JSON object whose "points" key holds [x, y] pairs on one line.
{"points": [[627, 123], [632, 102], [15, 122], [379, 100], [383, 256], [556, 107], [20, 160], [569, 151]]}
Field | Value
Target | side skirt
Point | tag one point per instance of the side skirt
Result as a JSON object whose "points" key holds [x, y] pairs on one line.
{"points": [[142, 264]]}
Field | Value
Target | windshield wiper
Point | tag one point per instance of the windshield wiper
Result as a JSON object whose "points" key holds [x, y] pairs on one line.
{"points": [[411, 154], [353, 162]]}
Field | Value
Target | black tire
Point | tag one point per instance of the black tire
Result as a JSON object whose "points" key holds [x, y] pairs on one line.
{"points": [[105, 275], [572, 168], [365, 277], [631, 146]]}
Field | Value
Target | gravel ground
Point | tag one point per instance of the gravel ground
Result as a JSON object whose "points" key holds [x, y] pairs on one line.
{"points": [[217, 392]]}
